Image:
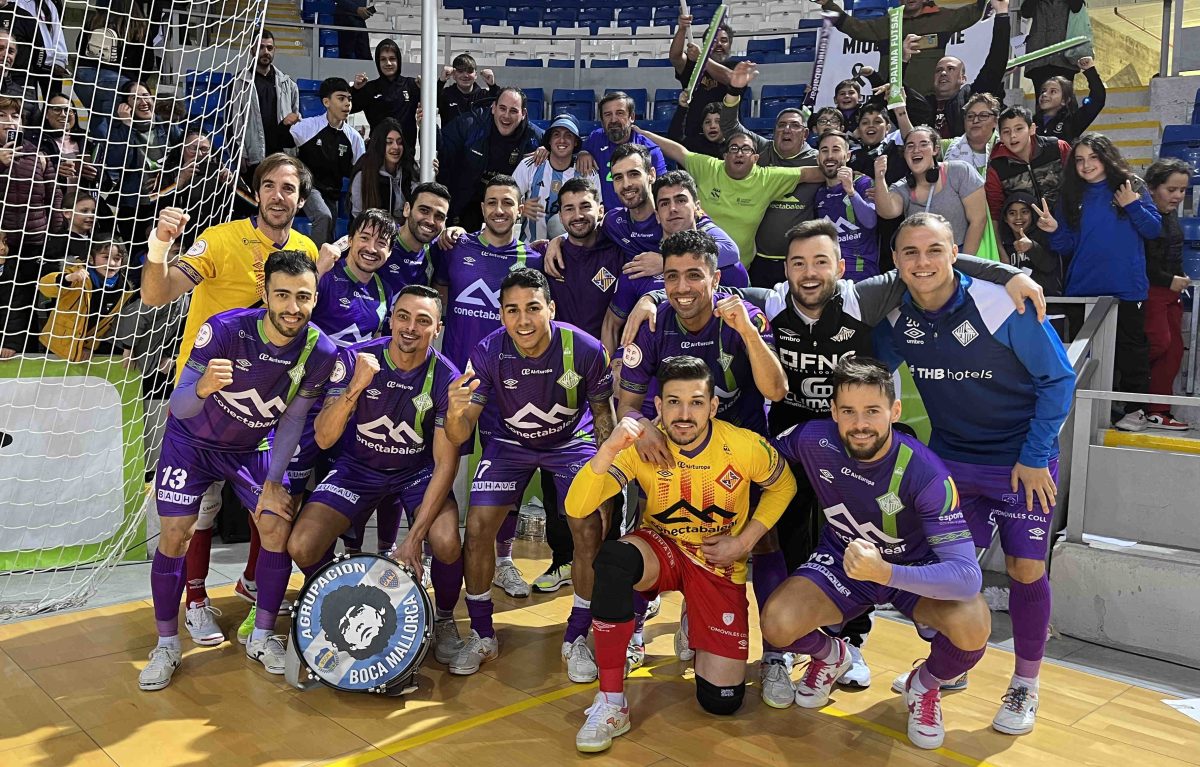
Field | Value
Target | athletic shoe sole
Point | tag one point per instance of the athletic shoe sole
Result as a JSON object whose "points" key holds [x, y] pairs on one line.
{"points": [[549, 589], [209, 641], [955, 686], [600, 749]]}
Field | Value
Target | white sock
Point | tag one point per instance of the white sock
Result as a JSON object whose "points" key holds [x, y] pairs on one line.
{"points": [[637, 639], [258, 634], [249, 584], [502, 561], [616, 698], [581, 602], [772, 655], [1024, 681], [171, 642], [484, 597]]}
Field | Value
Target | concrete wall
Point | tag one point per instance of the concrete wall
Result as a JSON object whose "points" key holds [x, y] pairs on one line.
{"points": [[1122, 60], [1171, 98]]}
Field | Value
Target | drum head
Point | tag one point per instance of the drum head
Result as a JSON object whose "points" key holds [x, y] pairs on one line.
{"points": [[362, 624]]}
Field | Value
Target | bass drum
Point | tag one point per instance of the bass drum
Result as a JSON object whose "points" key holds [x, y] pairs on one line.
{"points": [[363, 624]]}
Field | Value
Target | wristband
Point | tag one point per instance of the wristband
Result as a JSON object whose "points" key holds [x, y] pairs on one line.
{"points": [[156, 252]]}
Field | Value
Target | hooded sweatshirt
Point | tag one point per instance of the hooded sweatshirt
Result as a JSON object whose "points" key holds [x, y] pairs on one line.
{"points": [[397, 97], [1043, 264]]}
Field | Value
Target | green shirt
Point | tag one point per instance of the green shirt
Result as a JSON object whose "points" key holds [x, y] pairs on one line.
{"points": [[737, 206]]}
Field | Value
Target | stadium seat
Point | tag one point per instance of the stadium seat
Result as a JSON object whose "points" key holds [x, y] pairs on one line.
{"points": [[560, 17], [641, 99], [485, 17], [663, 62], [702, 13], [1191, 246], [309, 86], [870, 8], [1183, 142], [564, 64], [310, 105], [773, 98], [610, 63], [596, 19], [535, 102], [634, 17], [761, 47], [657, 126], [524, 18], [666, 15], [810, 23], [523, 63], [543, 124], [581, 104], [666, 101]]}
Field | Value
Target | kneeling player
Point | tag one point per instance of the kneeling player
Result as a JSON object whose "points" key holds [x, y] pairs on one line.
{"points": [[220, 413], [387, 403], [894, 533], [700, 552]]}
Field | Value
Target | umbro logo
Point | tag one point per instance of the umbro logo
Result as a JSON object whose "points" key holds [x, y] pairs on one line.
{"points": [[826, 475], [1037, 534], [243, 364], [373, 392], [914, 333], [510, 383]]}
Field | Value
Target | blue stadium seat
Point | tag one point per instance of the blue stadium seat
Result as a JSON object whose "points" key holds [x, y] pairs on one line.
{"points": [[653, 63], [1191, 246], [310, 105], [597, 18], [666, 15], [523, 63], [309, 86], [535, 102], [866, 9], [587, 126], [761, 47], [810, 23], [803, 42], [657, 126], [560, 17], [1183, 142], [331, 52], [702, 13], [763, 126], [524, 18], [641, 99], [580, 103], [634, 17], [485, 17], [666, 101], [328, 37], [543, 124], [785, 58], [774, 98], [564, 64], [610, 63]]}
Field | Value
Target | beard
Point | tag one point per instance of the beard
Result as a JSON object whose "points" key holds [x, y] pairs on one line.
{"points": [[617, 133], [868, 452], [283, 329]]}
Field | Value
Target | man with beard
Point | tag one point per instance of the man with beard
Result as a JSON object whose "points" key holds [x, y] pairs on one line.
{"points": [[843, 200], [950, 92], [478, 146], [549, 389], [385, 408], [697, 531], [274, 107], [616, 120], [390, 95], [225, 269], [907, 545], [249, 372], [541, 182], [414, 249], [997, 396], [329, 147], [714, 82]]}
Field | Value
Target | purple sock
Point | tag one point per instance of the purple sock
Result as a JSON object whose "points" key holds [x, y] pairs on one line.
{"points": [[813, 644], [353, 537], [325, 559], [274, 567], [640, 605], [447, 581], [768, 572], [506, 534], [387, 521], [1029, 606], [480, 611], [947, 661], [578, 622], [167, 579]]}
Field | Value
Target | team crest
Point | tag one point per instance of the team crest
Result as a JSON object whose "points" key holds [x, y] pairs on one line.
{"points": [[889, 504], [603, 279], [727, 618], [422, 402], [569, 379], [327, 660], [339, 372], [297, 374], [389, 579], [725, 359], [965, 333], [730, 479]]}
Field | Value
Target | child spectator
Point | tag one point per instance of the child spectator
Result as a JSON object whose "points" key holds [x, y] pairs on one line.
{"points": [[1059, 113], [710, 140], [379, 175], [88, 300], [71, 247], [1027, 245]]}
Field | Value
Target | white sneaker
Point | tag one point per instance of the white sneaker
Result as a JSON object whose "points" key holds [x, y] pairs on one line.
{"points": [[553, 579], [271, 651], [653, 606], [812, 691], [509, 578], [604, 722], [859, 674], [1018, 712], [925, 728], [201, 622], [1166, 421], [953, 685], [477, 651], [447, 642], [776, 682], [581, 666], [683, 650], [157, 673], [1135, 421], [248, 591], [635, 656]]}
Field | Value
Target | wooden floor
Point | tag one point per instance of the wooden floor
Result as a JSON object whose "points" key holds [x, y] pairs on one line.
{"points": [[69, 697]]}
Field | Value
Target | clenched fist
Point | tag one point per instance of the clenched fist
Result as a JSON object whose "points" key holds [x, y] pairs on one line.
{"points": [[171, 223], [218, 374], [366, 365], [863, 562]]}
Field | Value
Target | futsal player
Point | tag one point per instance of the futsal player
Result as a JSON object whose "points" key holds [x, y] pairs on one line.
{"points": [[894, 533], [415, 246], [696, 534], [998, 386], [249, 372], [550, 389], [385, 411]]}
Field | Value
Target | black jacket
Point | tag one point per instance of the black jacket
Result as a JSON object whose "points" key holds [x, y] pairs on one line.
{"points": [[1164, 256], [463, 153], [397, 98], [947, 118], [1069, 126]]}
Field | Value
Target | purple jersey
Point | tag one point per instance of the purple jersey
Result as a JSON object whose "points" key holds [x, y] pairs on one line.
{"points": [[632, 237], [349, 311], [265, 379], [542, 402], [408, 267], [589, 283], [719, 345], [856, 238], [472, 271], [905, 503], [392, 426]]}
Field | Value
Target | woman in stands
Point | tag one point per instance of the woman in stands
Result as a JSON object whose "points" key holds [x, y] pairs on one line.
{"points": [[378, 180], [1168, 181], [1060, 114], [65, 144]]}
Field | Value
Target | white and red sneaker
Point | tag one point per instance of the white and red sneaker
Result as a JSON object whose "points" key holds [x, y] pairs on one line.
{"points": [[925, 728], [812, 691], [1166, 422], [605, 721]]}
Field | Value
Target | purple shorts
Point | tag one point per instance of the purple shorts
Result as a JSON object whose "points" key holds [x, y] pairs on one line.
{"points": [[506, 468], [852, 598], [304, 461], [988, 503], [185, 472], [351, 489]]}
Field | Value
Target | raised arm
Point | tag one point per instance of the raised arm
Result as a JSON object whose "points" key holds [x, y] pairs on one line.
{"points": [[343, 396], [672, 150], [162, 284]]}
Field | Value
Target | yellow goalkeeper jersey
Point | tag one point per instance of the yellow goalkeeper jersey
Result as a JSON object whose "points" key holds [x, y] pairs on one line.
{"points": [[706, 494], [226, 264]]}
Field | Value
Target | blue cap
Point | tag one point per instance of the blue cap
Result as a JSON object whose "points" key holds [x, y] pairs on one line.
{"points": [[563, 121]]}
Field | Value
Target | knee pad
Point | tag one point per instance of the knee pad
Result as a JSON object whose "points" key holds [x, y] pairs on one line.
{"points": [[618, 566], [722, 701]]}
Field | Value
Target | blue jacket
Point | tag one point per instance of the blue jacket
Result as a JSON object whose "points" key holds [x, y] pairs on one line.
{"points": [[997, 384], [463, 155], [1107, 253]]}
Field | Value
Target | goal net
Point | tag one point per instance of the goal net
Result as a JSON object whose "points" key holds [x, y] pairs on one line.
{"points": [[110, 112]]}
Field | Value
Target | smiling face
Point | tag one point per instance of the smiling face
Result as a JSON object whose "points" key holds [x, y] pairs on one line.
{"points": [[508, 113], [1017, 135], [389, 62], [872, 127], [1051, 98], [501, 209], [425, 217], [1018, 216], [59, 114], [464, 78], [579, 213], [290, 301], [711, 127], [631, 182], [415, 324], [393, 150], [196, 149], [83, 216], [617, 119], [722, 45], [369, 250], [925, 257], [686, 408], [526, 315], [949, 75], [920, 151], [676, 210], [740, 157], [847, 97], [279, 196], [813, 268], [832, 155], [1170, 193], [981, 123], [108, 261], [562, 144], [864, 418], [142, 103], [690, 283], [1088, 164]]}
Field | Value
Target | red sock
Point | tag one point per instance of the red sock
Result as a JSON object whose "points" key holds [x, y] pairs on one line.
{"points": [[611, 640], [198, 553], [252, 557]]}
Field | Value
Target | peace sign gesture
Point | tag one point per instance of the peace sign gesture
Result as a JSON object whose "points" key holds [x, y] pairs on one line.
{"points": [[1046, 222]]}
